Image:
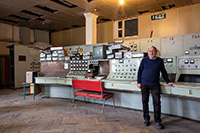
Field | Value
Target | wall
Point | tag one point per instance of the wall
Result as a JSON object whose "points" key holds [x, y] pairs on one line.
{"points": [[77, 36], [20, 67], [105, 32], [8, 35], [41, 36], [178, 21]]}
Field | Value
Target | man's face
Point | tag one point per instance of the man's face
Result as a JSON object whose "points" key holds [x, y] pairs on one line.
{"points": [[152, 52]]}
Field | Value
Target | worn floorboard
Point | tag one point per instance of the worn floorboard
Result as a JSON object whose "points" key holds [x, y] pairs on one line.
{"points": [[50, 115]]}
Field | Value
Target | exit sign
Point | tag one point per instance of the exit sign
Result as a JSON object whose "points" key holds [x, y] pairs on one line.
{"points": [[158, 16]]}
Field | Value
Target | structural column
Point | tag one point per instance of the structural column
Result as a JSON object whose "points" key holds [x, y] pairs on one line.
{"points": [[91, 28]]}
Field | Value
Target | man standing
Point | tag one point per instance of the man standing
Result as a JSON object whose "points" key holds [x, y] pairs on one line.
{"points": [[148, 80]]}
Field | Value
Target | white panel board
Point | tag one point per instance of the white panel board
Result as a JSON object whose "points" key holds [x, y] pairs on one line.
{"points": [[171, 46], [191, 43], [133, 44], [145, 43]]}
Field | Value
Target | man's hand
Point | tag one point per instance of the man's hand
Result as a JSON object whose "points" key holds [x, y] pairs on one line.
{"points": [[171, 84], [139, 86]]}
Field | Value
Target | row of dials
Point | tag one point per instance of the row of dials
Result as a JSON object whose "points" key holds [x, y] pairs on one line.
{"points": [[131, 65], [122, 70], [124, 73], [191, 61], [79, 65], [79, 61], [120, 77], [79, 69]]}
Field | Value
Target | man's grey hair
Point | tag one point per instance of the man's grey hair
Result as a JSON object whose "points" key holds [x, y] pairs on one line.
{"points": [[152, 47]]}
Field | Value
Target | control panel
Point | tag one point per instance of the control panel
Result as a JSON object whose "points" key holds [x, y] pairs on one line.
{"points": [[134, 45], [170, 64], [171, 46], [171, 68], [191, 44], [189, 63], [145, 43], [78, 68], [124, 69]]}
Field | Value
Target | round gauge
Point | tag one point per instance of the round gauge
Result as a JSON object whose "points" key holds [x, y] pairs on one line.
{"points": [[135, 45], [192, 61], [187, 52], [186, 61]]}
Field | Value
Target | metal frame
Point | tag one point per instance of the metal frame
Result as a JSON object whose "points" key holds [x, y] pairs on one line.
{"points": [[103, 99], [28, 85]]}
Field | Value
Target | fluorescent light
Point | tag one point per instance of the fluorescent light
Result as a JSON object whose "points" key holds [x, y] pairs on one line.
{"points": [[121, 2]]}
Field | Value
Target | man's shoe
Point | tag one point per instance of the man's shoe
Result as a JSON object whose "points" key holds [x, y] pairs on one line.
{"points": [[159, 126], [146, 123]]}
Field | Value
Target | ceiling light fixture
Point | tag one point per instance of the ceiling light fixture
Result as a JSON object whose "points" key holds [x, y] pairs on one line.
{"points": [[121, 2]]}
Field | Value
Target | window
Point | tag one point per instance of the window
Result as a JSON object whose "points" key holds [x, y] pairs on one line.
{"points": [[126, 28], [120, 29], [131, 27]]}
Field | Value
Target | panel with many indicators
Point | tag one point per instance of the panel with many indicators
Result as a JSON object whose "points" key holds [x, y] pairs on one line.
{"points": [[78, 68], [124, 69]]}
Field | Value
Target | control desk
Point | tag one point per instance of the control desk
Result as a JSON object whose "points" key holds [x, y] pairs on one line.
{"points": [[123, 74]]}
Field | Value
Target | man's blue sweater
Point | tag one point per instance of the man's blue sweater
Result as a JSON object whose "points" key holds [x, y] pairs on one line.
{"points": [[149, 71]]}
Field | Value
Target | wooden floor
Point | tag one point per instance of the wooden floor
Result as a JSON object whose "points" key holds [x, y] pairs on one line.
{"points": [[50, 115]]}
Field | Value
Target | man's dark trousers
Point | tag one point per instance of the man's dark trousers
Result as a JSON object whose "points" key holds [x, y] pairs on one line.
{"points": [[155, 91]]}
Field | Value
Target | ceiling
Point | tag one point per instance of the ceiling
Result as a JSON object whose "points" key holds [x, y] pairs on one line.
{"points": [[55, 15]]}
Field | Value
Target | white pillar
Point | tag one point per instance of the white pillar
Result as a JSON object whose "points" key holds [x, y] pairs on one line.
{"points": [[91, 28]]}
